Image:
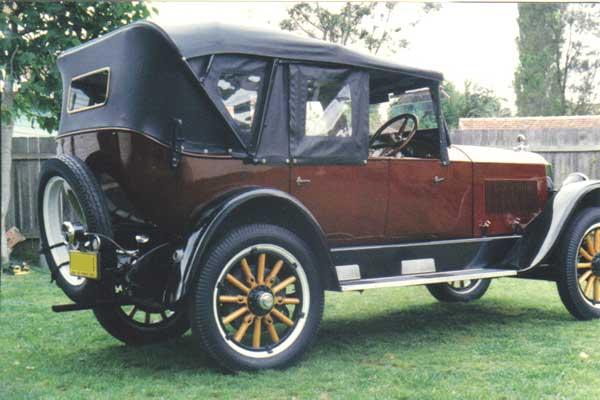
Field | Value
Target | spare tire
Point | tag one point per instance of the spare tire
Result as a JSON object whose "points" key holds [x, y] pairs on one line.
{"points": [[69, 191]]}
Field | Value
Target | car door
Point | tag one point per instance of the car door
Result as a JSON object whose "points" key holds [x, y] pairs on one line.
{"points": [[429, 200], [349, 201], [330, 175]]}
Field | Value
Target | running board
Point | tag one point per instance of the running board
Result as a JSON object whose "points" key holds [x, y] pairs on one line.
{"points": [[425, 279]]}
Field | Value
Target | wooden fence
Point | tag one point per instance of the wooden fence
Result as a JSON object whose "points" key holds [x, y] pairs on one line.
{"points": [[568, 150], [28, 155]]}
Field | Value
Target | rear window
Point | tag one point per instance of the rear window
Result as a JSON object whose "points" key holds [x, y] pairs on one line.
{"points": [[88, 91]]}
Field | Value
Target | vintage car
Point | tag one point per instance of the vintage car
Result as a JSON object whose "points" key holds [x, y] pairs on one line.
{"points": [[222, 178]]}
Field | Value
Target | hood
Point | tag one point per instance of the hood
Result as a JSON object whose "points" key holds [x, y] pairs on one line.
{"points": [[480, 154]]}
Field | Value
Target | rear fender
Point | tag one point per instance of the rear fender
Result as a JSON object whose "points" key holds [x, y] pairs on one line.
{"points": [[220, 215], [544, 232]]}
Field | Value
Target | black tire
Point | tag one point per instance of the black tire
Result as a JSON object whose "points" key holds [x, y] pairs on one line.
{"points": [[447, 293], [90, 197], [124, 328], [209, 329], [566, 263]]}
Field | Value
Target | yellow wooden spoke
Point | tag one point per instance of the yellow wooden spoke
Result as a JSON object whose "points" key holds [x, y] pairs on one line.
{"points": [[597, 240], [232, 299], [241, 332], [280, 316], [273, 274], [589, 288], [235, 315], [256, 333], [287, 300], [233, 280], [597, 290], [283, 284], [584, 277], [585, 254], [584, 265], [589, 242], [248, 272], [260, 278], [271, 329]]}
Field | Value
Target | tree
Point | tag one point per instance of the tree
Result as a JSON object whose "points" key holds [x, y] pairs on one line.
{"points": [[473, 102], [32, 34], [557, 71], [369, 24]]}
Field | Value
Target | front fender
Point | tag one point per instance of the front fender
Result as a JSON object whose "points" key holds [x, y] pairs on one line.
{"points": [[216, 215], [555, 217]]}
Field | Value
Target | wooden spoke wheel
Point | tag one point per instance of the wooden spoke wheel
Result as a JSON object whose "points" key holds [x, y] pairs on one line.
{"points": [[459, 291], [259, 300], [588, 265], [147, 317], [141, 324], [578, 265]]}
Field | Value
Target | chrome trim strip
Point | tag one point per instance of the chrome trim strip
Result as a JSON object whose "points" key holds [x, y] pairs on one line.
{"points": [[433, 243], [426, 279]]}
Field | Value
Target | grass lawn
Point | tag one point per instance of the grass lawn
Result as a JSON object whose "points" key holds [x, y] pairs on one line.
{"points": [[517, 342]]}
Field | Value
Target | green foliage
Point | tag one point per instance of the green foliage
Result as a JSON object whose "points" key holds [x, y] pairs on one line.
{"points": [[473, 102], [367, 23], [557, 71], [33, 34]]}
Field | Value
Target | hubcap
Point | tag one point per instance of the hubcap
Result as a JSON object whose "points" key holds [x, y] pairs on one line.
{"points": [[596, 264], [588, 265], [261, 301]]}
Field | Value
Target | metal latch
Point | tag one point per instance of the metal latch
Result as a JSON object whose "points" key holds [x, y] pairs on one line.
{"points": [[300, 181]]}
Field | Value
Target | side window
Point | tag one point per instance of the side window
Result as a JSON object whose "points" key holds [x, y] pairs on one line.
{"points": [[328, 109], [239, 93], [329, 115], [237, 84], [88, 91]]}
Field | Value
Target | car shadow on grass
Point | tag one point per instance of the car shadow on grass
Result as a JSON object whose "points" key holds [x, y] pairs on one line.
{"points": [[415, 326]]}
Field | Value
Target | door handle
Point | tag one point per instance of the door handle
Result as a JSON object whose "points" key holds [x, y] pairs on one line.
{"points": [[300, 181], [438, 179]]}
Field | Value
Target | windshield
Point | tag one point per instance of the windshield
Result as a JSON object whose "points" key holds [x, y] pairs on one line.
{"points": [[417, 102]]}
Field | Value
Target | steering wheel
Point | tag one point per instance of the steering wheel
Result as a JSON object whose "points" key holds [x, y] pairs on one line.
{"points": [[397, 138]]}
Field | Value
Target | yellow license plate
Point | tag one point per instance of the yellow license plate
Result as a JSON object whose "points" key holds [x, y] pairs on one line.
{"points": [[84, 264]]}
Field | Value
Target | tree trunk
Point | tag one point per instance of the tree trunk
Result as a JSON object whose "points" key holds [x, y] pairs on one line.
{"points": [[6, 161]]}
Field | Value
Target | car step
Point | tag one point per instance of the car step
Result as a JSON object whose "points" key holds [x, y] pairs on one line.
{"points": [[425, 279]]}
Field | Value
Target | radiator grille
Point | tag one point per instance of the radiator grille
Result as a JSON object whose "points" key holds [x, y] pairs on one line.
{"points": [[515, 196]]}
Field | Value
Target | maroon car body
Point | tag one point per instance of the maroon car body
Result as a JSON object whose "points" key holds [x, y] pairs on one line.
{"points": [[224, 177]]}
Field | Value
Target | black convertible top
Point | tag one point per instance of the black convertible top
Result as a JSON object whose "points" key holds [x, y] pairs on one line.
{"points": [[205, 39], [164, 83], [216, 38]]}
